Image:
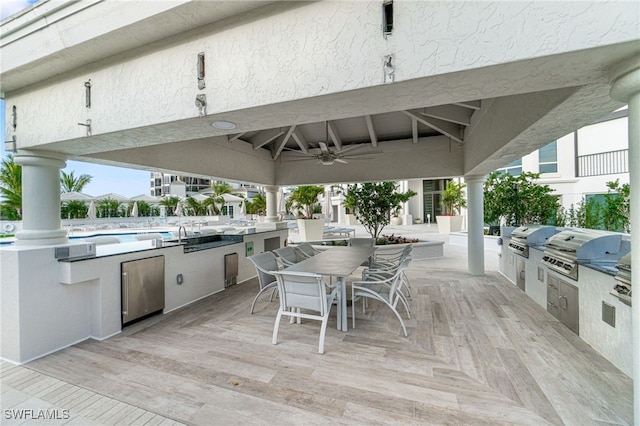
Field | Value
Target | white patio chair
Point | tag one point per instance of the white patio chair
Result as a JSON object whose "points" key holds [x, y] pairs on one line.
{"points": [[288, 256], [385, 273], [307, 250], [304, 291], [382, 289], [386, 263], [265, 264]]}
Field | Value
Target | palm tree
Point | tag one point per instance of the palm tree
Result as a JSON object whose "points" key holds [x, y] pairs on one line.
{"points": [[219, 189], [11, 188], [74, 210], [110, 207], [195, 207], [70, 183], [170, 203]]}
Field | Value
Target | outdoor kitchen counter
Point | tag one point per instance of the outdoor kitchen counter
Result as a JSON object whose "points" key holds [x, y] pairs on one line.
{"points": [[594, 283]]}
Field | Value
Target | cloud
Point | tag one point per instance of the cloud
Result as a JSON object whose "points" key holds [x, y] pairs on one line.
{"points": [[10, 7]]}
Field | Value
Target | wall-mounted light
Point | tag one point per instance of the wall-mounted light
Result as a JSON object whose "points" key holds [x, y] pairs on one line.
{"points": [[388, 69], [201, 103], [14, 117], [201, 83], [87, 125], [87, 93]]}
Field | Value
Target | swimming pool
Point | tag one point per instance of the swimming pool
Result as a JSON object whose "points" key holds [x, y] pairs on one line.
{"points": [[128, 237]]}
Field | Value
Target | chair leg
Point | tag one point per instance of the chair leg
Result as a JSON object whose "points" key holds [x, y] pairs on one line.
{"points": [[323, 329], [399, 318], [353, 312], [274, 340]]}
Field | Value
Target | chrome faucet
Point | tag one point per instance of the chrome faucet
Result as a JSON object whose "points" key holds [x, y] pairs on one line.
{"points": [[180, 228]]}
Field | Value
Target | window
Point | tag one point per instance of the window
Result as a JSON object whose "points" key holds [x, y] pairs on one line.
{"points": [[548, 158], [387, 17], [514, 168]]}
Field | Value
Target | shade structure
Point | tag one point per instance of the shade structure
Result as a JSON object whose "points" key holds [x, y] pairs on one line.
{"points": [[229, 198], [146, 198], [200, 197], [112, 196], [91, 213], [75, 196], [134, 210]]}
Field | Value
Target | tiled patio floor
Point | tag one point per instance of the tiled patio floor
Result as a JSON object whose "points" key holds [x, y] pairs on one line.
{"points": [[479, 351]]}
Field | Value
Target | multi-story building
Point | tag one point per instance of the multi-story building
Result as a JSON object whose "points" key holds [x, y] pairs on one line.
{"points": [[576, 166]]}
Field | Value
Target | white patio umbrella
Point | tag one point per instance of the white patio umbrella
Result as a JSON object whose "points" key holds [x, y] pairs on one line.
{"points": [[91, 213], [243, 208], [134, 210], [280, 203], [75, 196], [179, 210], [327, 208]]}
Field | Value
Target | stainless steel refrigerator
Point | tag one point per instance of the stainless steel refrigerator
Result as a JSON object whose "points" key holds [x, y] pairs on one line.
{"points": [[142, 288]]}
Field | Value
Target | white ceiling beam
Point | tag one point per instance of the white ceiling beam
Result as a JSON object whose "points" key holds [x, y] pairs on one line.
{"points": [[301, 141], [452, 113], [414, 130], [446, 128], [281, 145], [474, 105], [236, 137], [372, 131], [267, 137], [335, 137]]}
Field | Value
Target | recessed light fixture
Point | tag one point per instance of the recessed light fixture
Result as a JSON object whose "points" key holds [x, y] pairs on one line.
{"points": [[507, 155], [224, 125]]}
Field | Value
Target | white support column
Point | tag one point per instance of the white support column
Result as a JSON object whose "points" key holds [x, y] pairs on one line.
{"points": [[40, 201], [475, 232], [626, 88], [272, 203]]}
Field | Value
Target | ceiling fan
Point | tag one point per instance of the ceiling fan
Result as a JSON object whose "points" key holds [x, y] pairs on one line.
{"points": [[327, 157]]}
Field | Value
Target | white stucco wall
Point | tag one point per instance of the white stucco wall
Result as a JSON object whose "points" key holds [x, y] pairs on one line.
{"points": [[289, 53]]}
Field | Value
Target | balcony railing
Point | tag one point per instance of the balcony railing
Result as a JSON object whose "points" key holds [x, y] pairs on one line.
{"points": [[603, 163]]}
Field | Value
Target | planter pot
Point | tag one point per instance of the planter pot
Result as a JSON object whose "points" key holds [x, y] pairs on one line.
{"points": [[396, 220], [311, 229], [447, 224]]}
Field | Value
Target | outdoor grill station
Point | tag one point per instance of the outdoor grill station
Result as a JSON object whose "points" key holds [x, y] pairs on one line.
{"points": [[582, 277]]}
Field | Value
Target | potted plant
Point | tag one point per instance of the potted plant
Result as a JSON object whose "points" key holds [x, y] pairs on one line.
{"points": [[304, 198], [452, 199]]}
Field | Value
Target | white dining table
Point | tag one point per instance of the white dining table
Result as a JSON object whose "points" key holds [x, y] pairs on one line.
{"points": [[339, 262]]}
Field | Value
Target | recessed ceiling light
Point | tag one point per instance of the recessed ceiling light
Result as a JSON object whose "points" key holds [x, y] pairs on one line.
{"points": [[507, 155], [224, 125]]}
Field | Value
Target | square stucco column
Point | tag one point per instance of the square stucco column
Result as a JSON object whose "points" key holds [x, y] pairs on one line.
{"points": [[626, 88], [40, 201], [475, 234]]}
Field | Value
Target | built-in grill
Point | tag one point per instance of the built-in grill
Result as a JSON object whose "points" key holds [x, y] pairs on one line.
{"points": [[525, 236], [565, 250], [623, 279]]}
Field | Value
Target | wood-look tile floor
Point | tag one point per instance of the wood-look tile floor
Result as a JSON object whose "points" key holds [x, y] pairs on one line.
{"points": [[479, 352]]}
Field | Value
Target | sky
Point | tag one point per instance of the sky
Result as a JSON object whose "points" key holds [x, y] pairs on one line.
{"points": [[106, 179]]}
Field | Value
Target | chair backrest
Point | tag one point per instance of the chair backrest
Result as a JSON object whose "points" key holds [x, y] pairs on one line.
{"points": [[302, 290], [265, 263], [307, 249], [288, 255], [368, 242]]}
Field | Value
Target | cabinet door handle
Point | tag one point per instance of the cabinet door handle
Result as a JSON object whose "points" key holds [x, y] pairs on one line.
{"points": [[125, 279], [566, 302]]}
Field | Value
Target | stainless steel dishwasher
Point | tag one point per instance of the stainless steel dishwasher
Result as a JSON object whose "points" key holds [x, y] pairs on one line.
{"points": [[142, 288]]}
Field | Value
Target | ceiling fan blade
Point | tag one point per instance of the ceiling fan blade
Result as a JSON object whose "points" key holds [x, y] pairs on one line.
{"points": [[298, 159], [340, 160], [323, 147], [353, 147]]}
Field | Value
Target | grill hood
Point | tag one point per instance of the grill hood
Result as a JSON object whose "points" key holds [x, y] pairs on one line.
{"points": [[572, 246], [525, 236]]}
